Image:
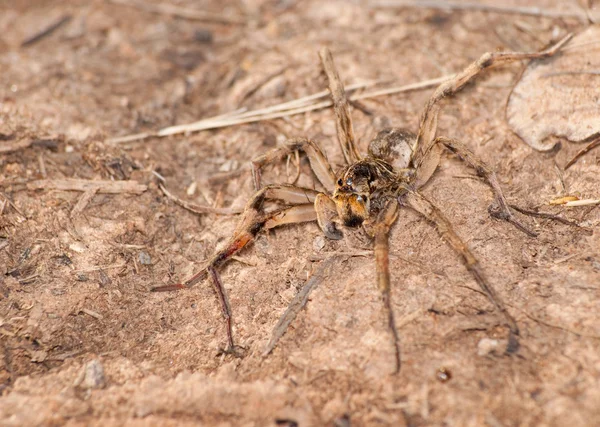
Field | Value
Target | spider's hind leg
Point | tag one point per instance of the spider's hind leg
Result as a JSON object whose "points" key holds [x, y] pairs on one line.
{"points": [[253, 220], [423, 206]]}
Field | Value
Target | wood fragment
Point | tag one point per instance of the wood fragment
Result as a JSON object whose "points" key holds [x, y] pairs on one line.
{"points": [[181, 12], [92, 313], [595, 143], [83, 201], [449, 5], [42, 164], [545, 215], [101, 186], [298, 303], [199, 209], [10, 203], [45, 32], [99, 268], [15, 146]]}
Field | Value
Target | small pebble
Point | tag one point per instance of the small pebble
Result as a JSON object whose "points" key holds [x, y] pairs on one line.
{"points": [[319, 243], [91, 376], [144, 258], [488, 346]]}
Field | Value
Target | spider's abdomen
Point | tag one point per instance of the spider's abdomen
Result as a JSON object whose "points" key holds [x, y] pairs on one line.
{"points": [[393, 146]]}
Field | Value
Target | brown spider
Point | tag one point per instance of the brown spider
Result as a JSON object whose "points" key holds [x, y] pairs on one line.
{"points": [[370, 190]]}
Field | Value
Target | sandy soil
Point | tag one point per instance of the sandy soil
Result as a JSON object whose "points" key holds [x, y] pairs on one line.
{"points": [[84, 342]]}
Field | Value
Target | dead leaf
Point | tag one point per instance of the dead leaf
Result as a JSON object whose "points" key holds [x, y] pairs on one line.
{"points": [[559, 96]]}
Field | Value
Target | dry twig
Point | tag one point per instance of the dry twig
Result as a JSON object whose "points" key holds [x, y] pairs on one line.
{"points": [[83, 201], [298, 304], [198, 209], [101, 186], [45, 32], [285, 109], [181, 12], [595, 143], [16, 146], [545, 215], [449, 5]]}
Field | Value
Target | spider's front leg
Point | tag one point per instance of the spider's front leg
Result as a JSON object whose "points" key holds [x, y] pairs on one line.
{"points": [[379, 229], [253, 220], [502, 210], [318, 161], [426, 154]]}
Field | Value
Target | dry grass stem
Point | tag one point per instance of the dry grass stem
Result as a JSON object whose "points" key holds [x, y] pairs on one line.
{"points": [[101, 186], [298, 304], [15, 146], [285, 109], [595, 143], [449, 5], [199, 209], [181, 12], [83, 201]]}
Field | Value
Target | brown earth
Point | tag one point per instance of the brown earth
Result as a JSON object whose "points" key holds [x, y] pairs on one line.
{"points": [[75, 285]]}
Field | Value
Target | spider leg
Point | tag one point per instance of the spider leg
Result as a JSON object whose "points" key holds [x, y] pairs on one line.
{"points": [[327, 217], [380, 229], [318, 161], [423, 206], [253, 220], [426, 164], [345, 131], [502, 210]]}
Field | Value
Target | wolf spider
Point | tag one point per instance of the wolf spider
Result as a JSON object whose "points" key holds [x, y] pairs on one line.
{"points": [[370, 190]]}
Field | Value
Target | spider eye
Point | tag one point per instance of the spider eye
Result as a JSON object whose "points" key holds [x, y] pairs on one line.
{"points": [[349, 181], [359, 198], [340, 182]]}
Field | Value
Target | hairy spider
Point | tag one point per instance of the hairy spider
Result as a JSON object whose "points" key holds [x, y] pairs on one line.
{"points": [[369, 190]]}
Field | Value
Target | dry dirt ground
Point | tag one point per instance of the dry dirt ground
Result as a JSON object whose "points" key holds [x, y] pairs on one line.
{"points": [[84, 342]]}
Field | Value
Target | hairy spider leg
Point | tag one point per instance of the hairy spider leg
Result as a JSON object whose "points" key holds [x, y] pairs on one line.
{"points": [[254, 219], [426, 155], [318, 161], [379, 230], [428, 210], [502, 210], [345, 131]]}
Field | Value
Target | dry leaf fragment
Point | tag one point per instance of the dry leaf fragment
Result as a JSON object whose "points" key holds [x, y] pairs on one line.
{"points": [[559, 96]]}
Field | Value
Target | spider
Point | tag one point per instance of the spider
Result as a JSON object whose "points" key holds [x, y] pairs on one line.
{"points": [[369, 191]]}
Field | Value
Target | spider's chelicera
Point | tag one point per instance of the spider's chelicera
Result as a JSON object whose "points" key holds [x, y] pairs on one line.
{"points": [[370, 190]]}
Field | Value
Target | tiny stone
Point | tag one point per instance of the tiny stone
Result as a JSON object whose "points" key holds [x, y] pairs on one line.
{"points": [[487, 346], [77, 247], [191, 190], [92, 375], [144, 258], [319, 243], [38, 356]]}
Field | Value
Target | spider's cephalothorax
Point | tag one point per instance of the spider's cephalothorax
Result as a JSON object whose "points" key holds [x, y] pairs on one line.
{"points": [[369, 191], [364, 186]]}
